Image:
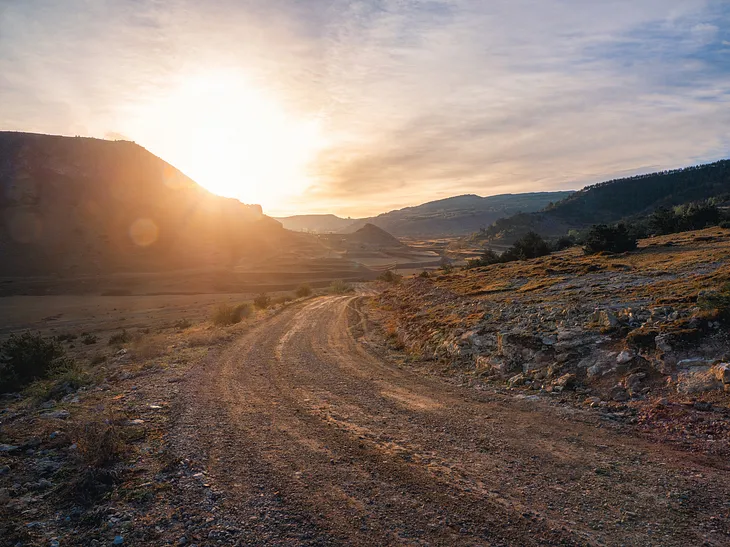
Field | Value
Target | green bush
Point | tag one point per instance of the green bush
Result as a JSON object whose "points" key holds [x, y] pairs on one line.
{"points": [[340, 287], [28, 357], [611, 239], [303, 291], [531, 245], [262, 301], [89, 339], [424, 274]]}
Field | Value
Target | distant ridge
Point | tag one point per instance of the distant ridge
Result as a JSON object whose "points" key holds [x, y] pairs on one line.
{"points": [[617, 200], [457, 215]]}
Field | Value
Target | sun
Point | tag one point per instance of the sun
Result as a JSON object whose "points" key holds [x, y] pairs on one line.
{"points": [[233, 139]]}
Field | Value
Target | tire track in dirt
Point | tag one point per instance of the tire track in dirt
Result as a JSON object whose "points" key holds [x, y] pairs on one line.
{"points": [[317, 441]]}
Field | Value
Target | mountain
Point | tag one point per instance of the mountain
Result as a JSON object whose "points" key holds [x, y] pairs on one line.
{"points": [[372, 236], [458, 215], [80, 206], [320, 224], [617, 200]]}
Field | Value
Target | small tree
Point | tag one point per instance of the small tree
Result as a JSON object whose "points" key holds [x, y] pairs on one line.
{"points": [[612, 239], [531, 245]]}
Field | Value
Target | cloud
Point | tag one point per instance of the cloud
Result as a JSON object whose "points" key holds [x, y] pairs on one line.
{"points": [[420, 99]]}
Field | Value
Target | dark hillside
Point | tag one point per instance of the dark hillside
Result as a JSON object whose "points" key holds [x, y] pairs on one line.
{"points": [[617, 200], [79, 206]]}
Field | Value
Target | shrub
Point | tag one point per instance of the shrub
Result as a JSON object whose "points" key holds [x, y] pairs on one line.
{"points": [[612, 239], [717, 301], [303, 291], [226, 314], [281, 300], [531, 245], [340, 287], [182, 324], [262, 301], [28, 357], [98, 442], [66, 337], [563, 242], [725, 224], [390, 276], [642, 339], [424, 274], [89, 339], [120, 338]]}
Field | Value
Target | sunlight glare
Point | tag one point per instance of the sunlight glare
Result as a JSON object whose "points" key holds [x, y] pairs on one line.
{"points": [[233, 140]]}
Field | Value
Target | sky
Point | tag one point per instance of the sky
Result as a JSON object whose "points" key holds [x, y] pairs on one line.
{"points": [[356, 107]]}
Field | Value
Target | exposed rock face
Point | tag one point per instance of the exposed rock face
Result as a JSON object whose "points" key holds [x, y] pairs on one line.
{"points": [[535, 337]]}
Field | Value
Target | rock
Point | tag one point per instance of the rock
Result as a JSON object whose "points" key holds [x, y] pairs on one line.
{"points": [[662, 343], [592, 401], [48, 404], [697, 380], [633, 383], [624, 357], [4, 496], [118, 540], [4, 470], [722, 372], [619, 394], [517, 380], [182, 541], [703, 406], [44, 484], [607, 319], [57, 415], [566, 381], [7, 448], [693, 362]]}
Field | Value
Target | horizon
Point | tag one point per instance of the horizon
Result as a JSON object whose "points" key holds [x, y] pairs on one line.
{"points": [[353, 108]]}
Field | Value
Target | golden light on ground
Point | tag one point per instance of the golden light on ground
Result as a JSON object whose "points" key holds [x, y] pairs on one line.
{"points": [[232, 138]]}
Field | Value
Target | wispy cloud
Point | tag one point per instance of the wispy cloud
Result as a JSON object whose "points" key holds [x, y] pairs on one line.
{"points": [[420, 99]]}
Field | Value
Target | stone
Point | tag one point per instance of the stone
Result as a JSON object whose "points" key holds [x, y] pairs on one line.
{"points": [[517, 380], [4, 470], [6, 448], [633, 383], [57, 415], [697, 380], [4, 496], [118, 540], [662, 343], [48, 404], [693, 362], [592, 401], [619, 394], [606, 318], [566, 381], [722, 372], [624, 357]]}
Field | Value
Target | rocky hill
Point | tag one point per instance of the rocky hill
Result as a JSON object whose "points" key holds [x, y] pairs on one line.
{"points": [[616, 328], [458, 215], [79, 206], [617, 200]]}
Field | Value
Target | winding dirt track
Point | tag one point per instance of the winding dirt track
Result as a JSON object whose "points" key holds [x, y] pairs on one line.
{"points": [[317, 438]]}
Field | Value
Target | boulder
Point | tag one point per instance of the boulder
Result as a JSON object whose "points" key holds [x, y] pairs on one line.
{"points": [[625, 356], [722, 373], [517, 380], [619, 393], [633, 383], [698, 380], [565, 382]]}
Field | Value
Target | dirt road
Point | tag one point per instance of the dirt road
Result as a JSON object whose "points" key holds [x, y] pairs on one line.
{"points": [[314, 436]]}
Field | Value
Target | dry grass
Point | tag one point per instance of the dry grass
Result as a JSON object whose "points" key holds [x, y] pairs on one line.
{"points": [[149, 346], [98, 442]]}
